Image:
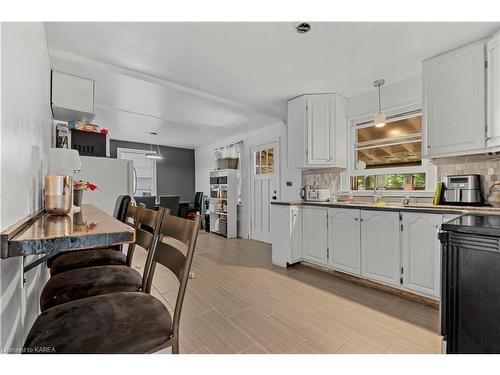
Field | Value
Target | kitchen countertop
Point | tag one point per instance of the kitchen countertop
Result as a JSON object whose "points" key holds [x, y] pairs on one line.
{"points": [[417, 207], [46, 234]]}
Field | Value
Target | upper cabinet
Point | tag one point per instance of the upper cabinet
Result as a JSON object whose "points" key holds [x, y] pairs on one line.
{"points": [[72, 97], [454, 101], [317, 131], [493, 91]]}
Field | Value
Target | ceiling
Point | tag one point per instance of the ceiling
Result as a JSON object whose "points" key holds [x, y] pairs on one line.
{"points": [[195, 83]]}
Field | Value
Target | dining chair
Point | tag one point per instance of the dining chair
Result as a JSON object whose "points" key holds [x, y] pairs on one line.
{"points": [[91, 281], [148, 200], [125, 322], [110, 256], [171, 202]]}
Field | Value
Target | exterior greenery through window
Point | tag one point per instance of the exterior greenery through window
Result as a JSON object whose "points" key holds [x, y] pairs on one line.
{"points": [[397, 181]]}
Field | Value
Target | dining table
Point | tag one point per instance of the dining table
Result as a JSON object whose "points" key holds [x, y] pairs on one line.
{"points": [[43, 233]]}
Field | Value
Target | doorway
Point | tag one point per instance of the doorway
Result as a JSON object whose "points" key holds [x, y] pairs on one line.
{"points": [[264, 188]]}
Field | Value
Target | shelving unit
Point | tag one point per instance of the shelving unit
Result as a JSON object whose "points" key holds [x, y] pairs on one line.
{"points": [[223, 203]]}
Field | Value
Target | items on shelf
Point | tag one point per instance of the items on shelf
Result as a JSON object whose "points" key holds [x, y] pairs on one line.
{"points": [[223, 202], [86, 127]]}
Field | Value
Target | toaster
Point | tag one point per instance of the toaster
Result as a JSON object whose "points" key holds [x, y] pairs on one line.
{"points": [[318, 195]]}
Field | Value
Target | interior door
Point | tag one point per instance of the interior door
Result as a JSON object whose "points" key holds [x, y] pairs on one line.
{"points": [[264, 188]]}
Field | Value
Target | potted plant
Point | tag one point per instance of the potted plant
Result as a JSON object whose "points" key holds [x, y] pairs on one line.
{"points": [[78, 188]]}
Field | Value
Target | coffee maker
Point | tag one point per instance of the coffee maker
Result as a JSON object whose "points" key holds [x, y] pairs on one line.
{"points": [[462, 190]]}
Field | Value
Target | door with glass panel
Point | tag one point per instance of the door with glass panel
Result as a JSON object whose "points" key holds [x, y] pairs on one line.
{"points": [[264, 188]]}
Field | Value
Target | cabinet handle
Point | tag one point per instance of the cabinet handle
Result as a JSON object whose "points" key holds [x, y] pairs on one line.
{"points": [[487, 138], [361, 219], [356, 219]]}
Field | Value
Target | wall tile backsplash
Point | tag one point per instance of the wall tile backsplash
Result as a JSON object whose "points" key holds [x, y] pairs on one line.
{"points": [[486, 166]]}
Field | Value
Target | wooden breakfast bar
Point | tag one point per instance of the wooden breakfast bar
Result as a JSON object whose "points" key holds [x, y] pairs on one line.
{"points": [[47, 234]]}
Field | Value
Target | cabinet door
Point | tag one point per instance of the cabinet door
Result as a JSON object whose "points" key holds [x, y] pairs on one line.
{"points": [[296, 132], [72, 92], [454, 101], [296, 232], [314, 234], [320, 129], [421, 253], [493, 91], [344, 240], [380, 246]]}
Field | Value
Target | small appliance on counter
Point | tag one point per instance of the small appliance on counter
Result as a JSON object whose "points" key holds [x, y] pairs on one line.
{"points": [[313, 194], [470, 296], [461, 190]]}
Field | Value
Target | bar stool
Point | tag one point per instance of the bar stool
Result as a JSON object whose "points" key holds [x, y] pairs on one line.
{"points": [[125, 322], [92, 281], [112, 256]]}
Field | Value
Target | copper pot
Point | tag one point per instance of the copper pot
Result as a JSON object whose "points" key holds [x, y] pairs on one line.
{"points": [[58, 194]]}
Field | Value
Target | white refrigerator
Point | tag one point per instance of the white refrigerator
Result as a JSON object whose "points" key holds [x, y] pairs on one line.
{"points": [[113, 177]]}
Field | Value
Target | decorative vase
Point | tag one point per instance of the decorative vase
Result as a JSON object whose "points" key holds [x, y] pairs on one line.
{"points": [[77, 197]]}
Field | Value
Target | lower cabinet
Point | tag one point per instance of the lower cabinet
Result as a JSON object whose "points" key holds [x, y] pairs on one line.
{"points": [[421, 253], [380, 259], [286, 234], [296, 233], [397, 249], [315, 235], [344, 243]]}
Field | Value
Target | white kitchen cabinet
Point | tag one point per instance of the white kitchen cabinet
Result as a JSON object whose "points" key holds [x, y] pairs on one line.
{"points": [[344, 240], [380, 241], [315, 235], [296, 230], [317, 131], [493, 91], [72, 97], [286, 234], [454, 101], [421, 253]]}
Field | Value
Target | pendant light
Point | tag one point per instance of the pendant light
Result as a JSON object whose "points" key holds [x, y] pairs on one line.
{"points": [[379, 119], [153, 154]]}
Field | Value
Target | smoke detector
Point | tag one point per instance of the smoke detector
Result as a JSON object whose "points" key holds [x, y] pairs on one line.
{"points": [[303, 27]]}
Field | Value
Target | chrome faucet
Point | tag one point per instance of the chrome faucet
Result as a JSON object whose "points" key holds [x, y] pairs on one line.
{"points": [[377, 193]]}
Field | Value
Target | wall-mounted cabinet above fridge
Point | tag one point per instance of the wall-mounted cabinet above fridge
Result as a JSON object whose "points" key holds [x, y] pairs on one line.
{"points": [[72, 97], [461, 101], [317, 131]]}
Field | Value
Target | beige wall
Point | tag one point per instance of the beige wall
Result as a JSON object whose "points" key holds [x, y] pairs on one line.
{"points": [[25, 139]]}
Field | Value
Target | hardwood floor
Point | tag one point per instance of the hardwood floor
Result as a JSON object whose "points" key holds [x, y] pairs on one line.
{"points": [[238, 302]]}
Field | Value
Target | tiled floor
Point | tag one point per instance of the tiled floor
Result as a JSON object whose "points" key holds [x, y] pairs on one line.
{"points": [[238, 302]]}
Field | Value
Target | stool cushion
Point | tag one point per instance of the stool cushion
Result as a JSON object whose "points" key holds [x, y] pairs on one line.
{"points": [[87, 282], [129, 322], [87, 258]]}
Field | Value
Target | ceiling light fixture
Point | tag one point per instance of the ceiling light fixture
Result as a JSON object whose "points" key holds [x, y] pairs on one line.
{"points": [[303, 27], [153, 154], [379, 120]]}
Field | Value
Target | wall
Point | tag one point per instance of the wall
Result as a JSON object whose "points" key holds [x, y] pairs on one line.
{"points": [[393, 95], [175, 174], [204, 162], [25, 139]]}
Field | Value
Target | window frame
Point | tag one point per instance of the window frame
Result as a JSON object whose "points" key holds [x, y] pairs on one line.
{"points": [[426, 166]]}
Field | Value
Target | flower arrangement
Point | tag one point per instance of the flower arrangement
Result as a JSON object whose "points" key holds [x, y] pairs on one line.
{"points": [[84, 185]]}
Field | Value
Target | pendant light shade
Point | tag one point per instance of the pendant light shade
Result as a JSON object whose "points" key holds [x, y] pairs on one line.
{"points": [[379, 120], [154, 155]]}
